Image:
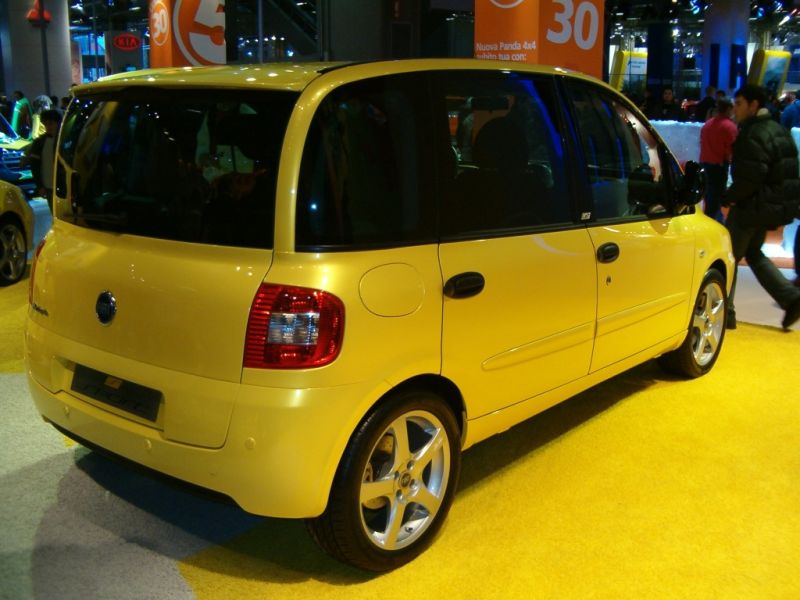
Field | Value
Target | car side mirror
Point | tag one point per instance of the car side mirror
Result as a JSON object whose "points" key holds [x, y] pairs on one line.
{"points": [[692, 185]]}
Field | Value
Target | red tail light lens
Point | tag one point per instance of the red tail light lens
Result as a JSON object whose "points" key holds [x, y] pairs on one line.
{"points": [[36, 254], [293, 328]]}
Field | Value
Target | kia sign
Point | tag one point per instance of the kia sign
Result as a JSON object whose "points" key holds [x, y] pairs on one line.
{"points": [[127, 42], [123, 51], [187, 32]]}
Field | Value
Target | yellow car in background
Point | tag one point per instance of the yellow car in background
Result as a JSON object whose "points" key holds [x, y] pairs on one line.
{"points": [[16, 233], [312, 287]]}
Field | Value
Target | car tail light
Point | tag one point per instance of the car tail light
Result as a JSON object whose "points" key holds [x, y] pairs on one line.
{"points": [[36, 254], [293, 328]]}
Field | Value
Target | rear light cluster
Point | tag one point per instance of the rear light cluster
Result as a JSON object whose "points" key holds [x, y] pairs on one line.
{"points": [[293, 328]]}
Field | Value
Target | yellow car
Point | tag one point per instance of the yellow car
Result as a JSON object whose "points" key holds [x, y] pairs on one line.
{"points": [[16, 233], [312, 287]]}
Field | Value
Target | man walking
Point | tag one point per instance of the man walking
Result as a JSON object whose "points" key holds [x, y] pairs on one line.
{"points": [[764, 195]]}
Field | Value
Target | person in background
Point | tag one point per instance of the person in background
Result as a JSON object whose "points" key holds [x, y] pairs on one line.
{"points": [[41, 154], [5, 107], [668, 109], [790, 117], [703, 109], [22, 115], [716, 142], [649, 103], [764, 195], [773, 106]]}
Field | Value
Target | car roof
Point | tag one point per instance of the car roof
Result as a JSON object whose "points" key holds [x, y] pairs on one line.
{"points": [[295, 77], [278, 76]]}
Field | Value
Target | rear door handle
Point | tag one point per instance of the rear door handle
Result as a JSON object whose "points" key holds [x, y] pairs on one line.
{"points": [[608, 252], [464, 285]]}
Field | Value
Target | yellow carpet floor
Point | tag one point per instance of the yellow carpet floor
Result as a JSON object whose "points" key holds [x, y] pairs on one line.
{"points": [[643, 487]]}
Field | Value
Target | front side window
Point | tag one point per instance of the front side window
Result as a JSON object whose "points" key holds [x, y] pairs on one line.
{"points": [[625, 171], [189, 166], [366, 175], [505, 166]]}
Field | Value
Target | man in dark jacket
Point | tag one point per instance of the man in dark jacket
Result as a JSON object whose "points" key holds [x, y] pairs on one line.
{"points": [[764, 195]]}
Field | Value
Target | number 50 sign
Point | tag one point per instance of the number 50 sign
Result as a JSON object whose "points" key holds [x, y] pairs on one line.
{"points": [[565, 33]]}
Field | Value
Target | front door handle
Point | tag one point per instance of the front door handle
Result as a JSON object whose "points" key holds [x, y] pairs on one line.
{"points": [[464, 285], [608, 252]]}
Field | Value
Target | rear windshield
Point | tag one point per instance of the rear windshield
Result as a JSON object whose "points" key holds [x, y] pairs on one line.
{"points": [[192, 166]]}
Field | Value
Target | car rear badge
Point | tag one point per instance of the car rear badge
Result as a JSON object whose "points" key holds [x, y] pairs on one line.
{"points": [[106, 307]]}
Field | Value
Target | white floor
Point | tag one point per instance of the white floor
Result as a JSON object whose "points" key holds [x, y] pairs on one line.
{"points": [[754, 305]]}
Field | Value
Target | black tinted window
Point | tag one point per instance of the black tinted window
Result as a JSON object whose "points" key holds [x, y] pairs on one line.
{"points": [[189, 166], [366, 173], [626, 173], [504, 168]]}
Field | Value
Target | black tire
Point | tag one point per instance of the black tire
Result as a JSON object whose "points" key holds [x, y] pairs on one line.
{"points": [[13, 251], [701, 348], [381, 472]]}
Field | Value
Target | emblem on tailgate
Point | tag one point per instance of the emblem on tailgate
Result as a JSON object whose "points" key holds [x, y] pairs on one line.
{"points": [[106, 307]]}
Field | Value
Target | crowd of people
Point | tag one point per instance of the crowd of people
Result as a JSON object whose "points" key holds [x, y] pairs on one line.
{"points": [[668, 108], [19, 110], [759, 153], [40, 154], [746, 140]]}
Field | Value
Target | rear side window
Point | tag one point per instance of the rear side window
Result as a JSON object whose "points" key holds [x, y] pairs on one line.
{"points": [[366, 175], [625, 167], [189, 166], [504, 168]]}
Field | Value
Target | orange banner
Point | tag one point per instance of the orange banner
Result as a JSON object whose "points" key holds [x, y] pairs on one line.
{"points": [[563, 33], [187, 33], [506, 30]]}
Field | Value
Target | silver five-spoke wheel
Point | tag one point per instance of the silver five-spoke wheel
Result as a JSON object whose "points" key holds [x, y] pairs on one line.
{"points": [[405, 480], [394, 484], [703, 342], [708, 323]]}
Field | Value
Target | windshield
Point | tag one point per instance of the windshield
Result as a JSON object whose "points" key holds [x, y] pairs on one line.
{"points": [[193, 166]]}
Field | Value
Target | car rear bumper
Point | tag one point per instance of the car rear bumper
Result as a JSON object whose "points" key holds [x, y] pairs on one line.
{"points": [[280, 451]]}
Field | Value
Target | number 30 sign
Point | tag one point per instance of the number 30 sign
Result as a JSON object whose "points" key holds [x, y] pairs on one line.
{"points": [[565, 33]]}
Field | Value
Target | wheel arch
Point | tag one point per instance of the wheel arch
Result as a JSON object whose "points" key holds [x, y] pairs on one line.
{"points": [[720, 266], [442, 387], [330, 528], [12, 217]]}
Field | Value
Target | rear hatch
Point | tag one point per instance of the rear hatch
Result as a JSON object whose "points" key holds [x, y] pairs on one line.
{"points": [[165, 204]]}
